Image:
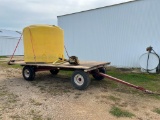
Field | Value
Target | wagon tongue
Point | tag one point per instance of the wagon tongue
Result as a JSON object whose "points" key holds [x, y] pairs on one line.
{"points": [[150, 92], [127, 83]]}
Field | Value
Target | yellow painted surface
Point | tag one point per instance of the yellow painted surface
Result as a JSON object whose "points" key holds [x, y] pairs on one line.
{"points": [[43, 43]]}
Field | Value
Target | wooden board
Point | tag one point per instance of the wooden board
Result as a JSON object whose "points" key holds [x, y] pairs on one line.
{"points": [[85, 65]]}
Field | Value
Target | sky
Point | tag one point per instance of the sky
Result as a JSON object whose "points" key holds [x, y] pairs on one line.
{"points": [[17, 14]]}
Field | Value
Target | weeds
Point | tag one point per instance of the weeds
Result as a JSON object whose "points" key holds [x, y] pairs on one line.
{"points": [[113, 98], [15, 117], [77, 95], [8, 100], [120, 113], [157, 110], [35, 115], [34, 102]]}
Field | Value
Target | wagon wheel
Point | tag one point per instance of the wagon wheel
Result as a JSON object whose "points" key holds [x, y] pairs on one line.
{"points": [[80, 80], [97, 76], [28, 73], [54, 71]]}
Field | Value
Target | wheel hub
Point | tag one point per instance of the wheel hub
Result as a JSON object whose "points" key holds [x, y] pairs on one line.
{"points": [[79, 80], [26, 73]]}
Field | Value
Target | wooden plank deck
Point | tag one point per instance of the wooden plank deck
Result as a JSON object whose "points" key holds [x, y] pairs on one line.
{"points": [[85, 65]]}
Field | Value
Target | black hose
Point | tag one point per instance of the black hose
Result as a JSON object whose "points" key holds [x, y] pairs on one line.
{"points": [[158, 58], [148, 60]]}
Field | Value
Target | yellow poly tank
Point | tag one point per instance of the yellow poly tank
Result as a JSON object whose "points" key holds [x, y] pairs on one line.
{"points": [[43, 43]]}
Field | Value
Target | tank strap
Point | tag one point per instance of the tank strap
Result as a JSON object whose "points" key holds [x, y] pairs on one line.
{"points": [[32, 44], [16, 48]]}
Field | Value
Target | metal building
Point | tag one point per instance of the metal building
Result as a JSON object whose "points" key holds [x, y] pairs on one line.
{"points": [[118, 33], [8, 42]]}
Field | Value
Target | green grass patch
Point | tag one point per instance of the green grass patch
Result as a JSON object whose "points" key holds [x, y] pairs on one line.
{"points": [[148, 81], [5, 65], [67, 73], [157, 110], [3, 57], [115, 111], [15, 66], [113, 98]]}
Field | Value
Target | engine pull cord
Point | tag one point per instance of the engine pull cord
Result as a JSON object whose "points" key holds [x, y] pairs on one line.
{"points": [[66, 51], [72, 59]]}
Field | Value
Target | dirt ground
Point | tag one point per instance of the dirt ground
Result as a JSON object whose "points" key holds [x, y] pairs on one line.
{"points": [[53, 98]]}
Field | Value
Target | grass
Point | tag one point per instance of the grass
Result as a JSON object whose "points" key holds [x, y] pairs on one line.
{"points": [[157, 110], [34, 102], [148, 81], [115, 111], [16, 66], [113, 98], [5, 65], [15, 117], [66, 73], [59, 84], [8, 99], [35, 115], [3, 57]]}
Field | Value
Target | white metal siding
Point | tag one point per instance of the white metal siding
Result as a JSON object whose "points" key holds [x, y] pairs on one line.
{"points": [[7, 47], [8, 42], [118, 34]]}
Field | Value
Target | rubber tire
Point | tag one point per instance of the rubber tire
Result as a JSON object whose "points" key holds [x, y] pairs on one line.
{"points": [[31, 73], [85, 77], [98, 77], [54, 71]]}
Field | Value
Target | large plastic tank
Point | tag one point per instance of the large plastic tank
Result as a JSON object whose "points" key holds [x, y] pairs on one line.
{"points": [[43, 43]]}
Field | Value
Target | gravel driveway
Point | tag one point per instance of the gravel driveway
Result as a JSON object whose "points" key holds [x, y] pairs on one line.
{"points": [[53, 98]]}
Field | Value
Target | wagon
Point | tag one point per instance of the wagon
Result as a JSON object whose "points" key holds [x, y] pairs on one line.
{"points": [[80, 77], [44, 50]]}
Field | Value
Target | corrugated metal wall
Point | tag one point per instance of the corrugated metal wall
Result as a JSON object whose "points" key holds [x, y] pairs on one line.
{"points": [[118, 34], [8, 42]]}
